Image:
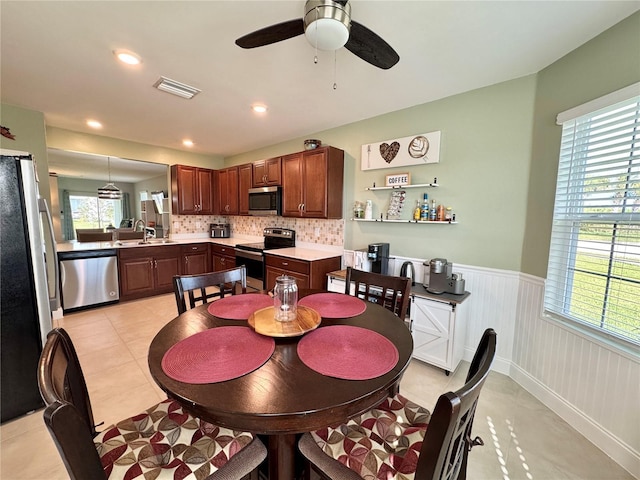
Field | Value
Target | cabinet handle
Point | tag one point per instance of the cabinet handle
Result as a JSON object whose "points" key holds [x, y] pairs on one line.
{"points": [[194, 248], [302, 209], [284, 264], [222, 261], [264, 178], [155, 264]]}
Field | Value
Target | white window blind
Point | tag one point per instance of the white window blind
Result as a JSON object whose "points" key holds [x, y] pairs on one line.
{"points": [[593, 275]]}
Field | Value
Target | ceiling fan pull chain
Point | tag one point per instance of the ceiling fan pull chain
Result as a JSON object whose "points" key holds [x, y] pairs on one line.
{"points": [[315, 58]]}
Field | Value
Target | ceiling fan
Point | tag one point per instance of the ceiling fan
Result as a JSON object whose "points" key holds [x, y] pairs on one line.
{"points": [[327, 25]]}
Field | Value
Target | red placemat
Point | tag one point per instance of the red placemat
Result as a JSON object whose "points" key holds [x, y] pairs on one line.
{"points": [[217, 355], [334, 305], [239, 307], [351, 353]]}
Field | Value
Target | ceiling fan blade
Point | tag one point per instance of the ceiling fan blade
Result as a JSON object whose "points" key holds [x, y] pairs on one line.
{"points": [[272, 34], [370, 47]]}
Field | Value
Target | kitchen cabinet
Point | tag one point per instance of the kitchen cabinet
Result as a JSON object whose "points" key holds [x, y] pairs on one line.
{"points": [[223, 256], [267, 173], [147, 271], [227, 191], [195, 259], [312, 183], [245, 182], [308, 274], [438, 329], [192, 190]]}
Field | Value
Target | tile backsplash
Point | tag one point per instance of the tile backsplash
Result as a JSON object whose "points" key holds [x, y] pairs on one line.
{"points": [[308, 230]]}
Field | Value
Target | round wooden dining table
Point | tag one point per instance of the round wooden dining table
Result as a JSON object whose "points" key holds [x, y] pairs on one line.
{"points": [[284, 397]]}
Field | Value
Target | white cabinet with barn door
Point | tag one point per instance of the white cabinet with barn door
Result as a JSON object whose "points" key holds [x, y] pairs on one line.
{"points": [[438, 332]]}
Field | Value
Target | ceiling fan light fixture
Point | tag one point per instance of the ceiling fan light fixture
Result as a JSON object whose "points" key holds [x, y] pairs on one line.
{"points": [[327, 24]]}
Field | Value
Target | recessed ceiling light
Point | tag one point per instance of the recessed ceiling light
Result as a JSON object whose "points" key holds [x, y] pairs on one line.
{"points": [[128, 57], [94, 124], [259, 108], [187, 143]]}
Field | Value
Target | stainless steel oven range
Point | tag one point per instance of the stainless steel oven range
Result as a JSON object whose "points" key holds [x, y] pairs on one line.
{"points": [[251, 255]]}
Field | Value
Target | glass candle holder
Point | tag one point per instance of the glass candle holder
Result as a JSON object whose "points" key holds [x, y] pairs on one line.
{"points": [[285, 298]]}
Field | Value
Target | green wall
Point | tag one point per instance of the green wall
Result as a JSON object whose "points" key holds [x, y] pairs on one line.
{"points": [[607, 63], [483, 174], [29, 129]]}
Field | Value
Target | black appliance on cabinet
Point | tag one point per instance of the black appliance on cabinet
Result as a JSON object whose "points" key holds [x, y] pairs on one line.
{"points": [[378, 255], [26, 302]]}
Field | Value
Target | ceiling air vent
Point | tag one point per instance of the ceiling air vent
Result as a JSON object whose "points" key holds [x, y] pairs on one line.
{"points": [[176, 88]]}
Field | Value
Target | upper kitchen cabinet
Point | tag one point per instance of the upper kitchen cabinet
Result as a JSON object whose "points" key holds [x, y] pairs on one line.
{"points": [[191, 190], [245, 182], [267, 173], [227, 189], [312, 183]]}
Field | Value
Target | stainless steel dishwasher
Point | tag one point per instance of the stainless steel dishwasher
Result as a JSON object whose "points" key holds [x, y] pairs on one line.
{"points": [[88, 278]]}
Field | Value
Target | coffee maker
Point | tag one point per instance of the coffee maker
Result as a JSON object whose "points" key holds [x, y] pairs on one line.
{"points": [[441, 279], [378, 255]]}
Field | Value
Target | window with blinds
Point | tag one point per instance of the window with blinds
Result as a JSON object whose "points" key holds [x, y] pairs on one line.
{"points": [[593, 275]]}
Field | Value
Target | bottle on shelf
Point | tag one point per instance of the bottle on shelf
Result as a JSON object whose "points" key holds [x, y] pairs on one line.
{"points": [[424, 210], [416, 211], [368, 211], [448, 214], [440, 213], [433, 210]]}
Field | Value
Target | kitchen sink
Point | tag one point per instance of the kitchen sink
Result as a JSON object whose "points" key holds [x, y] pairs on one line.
{"points": [[151, 241]]}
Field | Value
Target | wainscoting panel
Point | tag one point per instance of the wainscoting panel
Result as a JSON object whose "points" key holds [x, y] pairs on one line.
{"points": [[591, 385]]}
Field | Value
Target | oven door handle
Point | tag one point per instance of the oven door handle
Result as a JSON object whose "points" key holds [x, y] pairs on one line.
{"points": [[247, 254]]}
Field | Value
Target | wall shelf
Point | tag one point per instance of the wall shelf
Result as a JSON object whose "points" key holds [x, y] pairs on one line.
{"points": [[446, 222], [402, 187]]}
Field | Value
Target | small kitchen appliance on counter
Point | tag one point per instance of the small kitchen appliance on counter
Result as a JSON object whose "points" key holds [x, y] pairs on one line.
{"points": [[439, 278], [219, 230], [379, 256]]}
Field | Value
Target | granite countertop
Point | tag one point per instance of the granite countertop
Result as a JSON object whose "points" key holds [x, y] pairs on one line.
{"points": [[75, 246], [418, 290], [304, 253]]}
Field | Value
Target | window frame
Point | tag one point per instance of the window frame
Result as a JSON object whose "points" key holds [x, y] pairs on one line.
{"points": [[563, 248]]}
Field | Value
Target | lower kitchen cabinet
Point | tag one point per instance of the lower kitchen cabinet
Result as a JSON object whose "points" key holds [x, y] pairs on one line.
{"points": [[224, 257], [438, 333], [308, 273], [147, 271], [195, 259]]}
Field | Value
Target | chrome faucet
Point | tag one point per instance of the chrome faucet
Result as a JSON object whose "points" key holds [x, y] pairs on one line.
{"points": [[144, 229]]}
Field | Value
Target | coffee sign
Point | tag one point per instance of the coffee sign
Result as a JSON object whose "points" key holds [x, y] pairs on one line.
{"points": [[397, 180], [418, 149]]}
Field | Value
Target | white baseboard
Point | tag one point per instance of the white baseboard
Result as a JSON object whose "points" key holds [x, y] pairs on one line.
{"points": [[620, 452], [500, 364]]}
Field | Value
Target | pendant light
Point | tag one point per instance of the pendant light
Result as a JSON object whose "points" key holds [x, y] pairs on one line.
{"points": [[109, 191]]}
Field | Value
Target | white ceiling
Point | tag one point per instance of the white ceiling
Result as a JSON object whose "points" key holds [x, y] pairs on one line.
{"points": [[56, 57]]}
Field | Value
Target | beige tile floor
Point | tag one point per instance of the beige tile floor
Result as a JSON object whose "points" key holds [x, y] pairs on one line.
{"points": [[523, 439]]}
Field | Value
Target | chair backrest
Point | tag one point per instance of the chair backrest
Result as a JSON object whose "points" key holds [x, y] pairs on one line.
{"points": [[68, 415], [388, 291], [231, 281], [92, 235], [448, 439]]}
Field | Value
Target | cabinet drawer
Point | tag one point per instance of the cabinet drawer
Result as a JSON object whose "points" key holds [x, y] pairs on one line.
{"points": [[286, 263], [225, 250], [194, 248]]}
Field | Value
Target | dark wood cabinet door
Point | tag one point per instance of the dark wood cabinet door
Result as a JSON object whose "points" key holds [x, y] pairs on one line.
{"points": [[184, 189], [195, 263], [245, 182], [206, 191], [292, 187], [272, 273], [314, 180], [223, 263], [267, 172], [136, 277], [228, 191], [165, 269]]}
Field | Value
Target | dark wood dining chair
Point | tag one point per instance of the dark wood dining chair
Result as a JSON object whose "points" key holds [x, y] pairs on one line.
{"points": [[390, 292], [231, 281], [157, 443], [399, 437]]}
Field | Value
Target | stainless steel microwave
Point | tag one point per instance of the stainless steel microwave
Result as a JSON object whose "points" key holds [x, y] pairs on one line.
{"points": [[265, 201]]}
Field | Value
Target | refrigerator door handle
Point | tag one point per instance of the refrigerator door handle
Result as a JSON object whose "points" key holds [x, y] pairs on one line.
{"points": [[54, 301]]}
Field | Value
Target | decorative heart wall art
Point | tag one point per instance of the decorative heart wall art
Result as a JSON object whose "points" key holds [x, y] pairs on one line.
{"points": [[414, 150]]}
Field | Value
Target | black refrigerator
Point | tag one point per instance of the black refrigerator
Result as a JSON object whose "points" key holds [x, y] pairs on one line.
{"points": [[26, 232]]}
